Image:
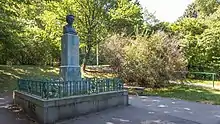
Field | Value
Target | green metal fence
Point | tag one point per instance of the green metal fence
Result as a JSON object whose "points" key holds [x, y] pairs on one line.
{"points": [[47, 89], [186, 75], [204, 76]]}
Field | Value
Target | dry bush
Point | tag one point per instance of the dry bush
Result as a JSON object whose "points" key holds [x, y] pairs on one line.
{"points": [[145, 61]]}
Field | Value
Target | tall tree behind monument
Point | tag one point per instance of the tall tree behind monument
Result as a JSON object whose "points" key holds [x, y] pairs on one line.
{"points": [[31, 30]]}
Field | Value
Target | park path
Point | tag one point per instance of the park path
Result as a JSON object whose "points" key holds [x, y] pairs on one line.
{"points": [[10, 114], [142, 110], [154, 110], [196, 112]]}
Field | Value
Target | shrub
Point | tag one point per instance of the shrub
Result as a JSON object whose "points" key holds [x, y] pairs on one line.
{"points": [[145, 61]]}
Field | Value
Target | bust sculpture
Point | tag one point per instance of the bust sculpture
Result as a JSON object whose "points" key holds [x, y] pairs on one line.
{"points": [[68, 29]]}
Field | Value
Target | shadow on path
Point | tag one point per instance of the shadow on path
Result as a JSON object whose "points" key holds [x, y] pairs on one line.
{"points": [[128, 115], [11, 114], [143, 110]]}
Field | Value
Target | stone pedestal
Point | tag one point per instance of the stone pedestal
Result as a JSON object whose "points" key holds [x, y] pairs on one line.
{"points": [[54, 110], [70, 69]]}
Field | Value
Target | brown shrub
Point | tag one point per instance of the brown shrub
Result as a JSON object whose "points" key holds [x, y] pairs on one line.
{"points": [[145, 61]]}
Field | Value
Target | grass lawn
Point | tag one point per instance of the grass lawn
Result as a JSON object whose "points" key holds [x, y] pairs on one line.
{"points": [[10, 74], [191, 93], [208, 82]]}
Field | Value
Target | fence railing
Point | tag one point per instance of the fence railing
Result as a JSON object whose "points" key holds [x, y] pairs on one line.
{"points": [[47, 89], [186, 75]]}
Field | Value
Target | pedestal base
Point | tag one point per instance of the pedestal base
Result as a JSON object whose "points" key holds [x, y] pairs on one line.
{"points": [[53, 110]]}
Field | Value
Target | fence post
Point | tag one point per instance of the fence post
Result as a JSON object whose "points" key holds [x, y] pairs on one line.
{"points": [[47, 83], [213, 80], [59, 90], [18, 85]]}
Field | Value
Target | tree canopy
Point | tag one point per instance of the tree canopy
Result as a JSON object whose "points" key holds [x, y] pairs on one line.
{"points": [[31, 30]]}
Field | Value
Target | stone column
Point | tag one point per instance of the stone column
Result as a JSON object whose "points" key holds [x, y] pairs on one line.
{"points": [[70, 68]]}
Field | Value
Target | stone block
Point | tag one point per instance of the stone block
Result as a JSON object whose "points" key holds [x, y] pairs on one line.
{"points": [[53, 110]]}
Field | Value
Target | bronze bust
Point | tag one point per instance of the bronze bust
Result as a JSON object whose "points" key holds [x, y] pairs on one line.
{"points": [[68, 29]]}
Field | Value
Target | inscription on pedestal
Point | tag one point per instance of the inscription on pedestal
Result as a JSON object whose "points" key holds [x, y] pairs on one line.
{"points": [[31, 106]]}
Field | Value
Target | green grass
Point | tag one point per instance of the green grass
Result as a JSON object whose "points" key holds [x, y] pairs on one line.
{"points": [[191, 93], [10, 74], [99, 75], [208, 82]]}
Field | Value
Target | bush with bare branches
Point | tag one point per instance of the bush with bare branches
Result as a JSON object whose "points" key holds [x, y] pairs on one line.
{"points": [[145, 61]]}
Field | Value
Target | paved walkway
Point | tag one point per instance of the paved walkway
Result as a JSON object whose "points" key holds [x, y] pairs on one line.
{"points": [[143, 110], [10, 114], [154, 110], [197, 112]]}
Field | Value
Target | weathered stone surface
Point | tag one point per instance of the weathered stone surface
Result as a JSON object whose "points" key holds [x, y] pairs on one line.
{"points": [[53, 110], [70, 69]]}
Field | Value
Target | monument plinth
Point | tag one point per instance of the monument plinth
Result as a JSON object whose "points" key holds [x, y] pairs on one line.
{"points": [[70, 69]]}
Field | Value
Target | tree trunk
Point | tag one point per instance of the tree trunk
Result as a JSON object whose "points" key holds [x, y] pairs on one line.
{"points": [[89, 47], [85, 60]]}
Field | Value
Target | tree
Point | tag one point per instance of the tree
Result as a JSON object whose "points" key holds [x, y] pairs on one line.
{"points": [[206, 7], [125, 17], [29, 42], [97, 18], [189, 30], [91, 18], [10, 27], [36, 27], [210, 45], [215, 17], [191, 11]]}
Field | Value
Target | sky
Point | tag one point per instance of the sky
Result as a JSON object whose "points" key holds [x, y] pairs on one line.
{"points": [[166, 10]]}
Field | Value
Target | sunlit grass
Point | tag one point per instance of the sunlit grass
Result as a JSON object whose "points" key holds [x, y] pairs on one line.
{"points": [[191, 93], [209, 82], [98, 75], [205, 82], [10, 74]]}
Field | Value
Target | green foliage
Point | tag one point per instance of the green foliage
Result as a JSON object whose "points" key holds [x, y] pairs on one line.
{"points": [[125, 17], [215, 17], [91, 22], [189, 26], [210, 47], [200, 36], [189, 31], [145, 61], [32, 44], [9, 32], [31, 30], [191, 11], [206, 7]]}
